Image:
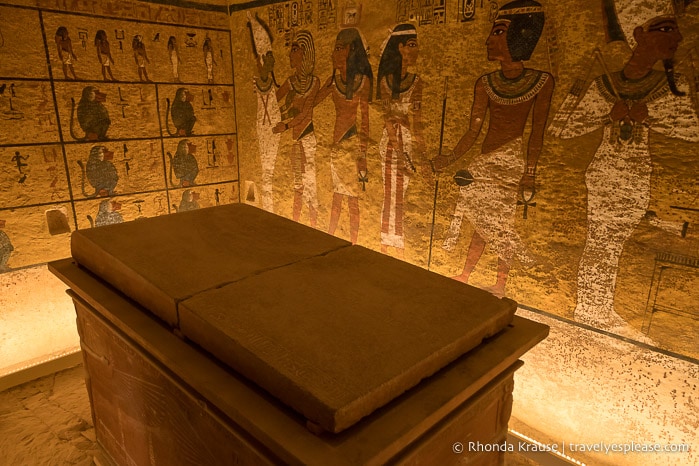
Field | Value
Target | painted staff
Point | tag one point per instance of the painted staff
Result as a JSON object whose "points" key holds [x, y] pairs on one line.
{"points": [[436, 178]]}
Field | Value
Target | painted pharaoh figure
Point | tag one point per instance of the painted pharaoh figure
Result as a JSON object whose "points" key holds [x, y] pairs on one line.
{"points": [[628, 104], [140, 57], [65, 51], [297, 96], [502, 171], [268, 113], [104, 54], [400, 93], [351, 86]]}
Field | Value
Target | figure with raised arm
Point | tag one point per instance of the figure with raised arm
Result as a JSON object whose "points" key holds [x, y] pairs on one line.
{"points": [[268, 113], [505, 168], [296, 97]]}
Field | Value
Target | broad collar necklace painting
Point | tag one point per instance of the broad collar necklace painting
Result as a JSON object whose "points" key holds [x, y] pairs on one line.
{"points": [[513, 91]]}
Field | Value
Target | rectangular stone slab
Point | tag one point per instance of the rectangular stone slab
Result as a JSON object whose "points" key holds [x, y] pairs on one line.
{"points": [[160, 261], [339, 335]]}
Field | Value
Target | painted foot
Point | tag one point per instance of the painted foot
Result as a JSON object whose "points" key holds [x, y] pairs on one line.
{"points": [[496, 291]]}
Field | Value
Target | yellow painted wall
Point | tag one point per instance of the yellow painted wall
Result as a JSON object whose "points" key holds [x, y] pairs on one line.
{"points": [[554, 233], [44, 194]]}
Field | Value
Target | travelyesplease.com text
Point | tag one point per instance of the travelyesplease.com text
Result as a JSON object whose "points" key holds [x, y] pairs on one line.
{"points": [[571, 447]]}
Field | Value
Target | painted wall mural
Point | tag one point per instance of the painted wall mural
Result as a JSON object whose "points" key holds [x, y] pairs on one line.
{"points": [[109, 111], [509, 145], [555, 165]]}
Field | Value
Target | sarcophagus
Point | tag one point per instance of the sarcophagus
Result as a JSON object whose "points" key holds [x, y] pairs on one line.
{"points": [[232, 336]]}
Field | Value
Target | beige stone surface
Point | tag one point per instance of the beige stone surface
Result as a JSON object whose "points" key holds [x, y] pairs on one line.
{"points": [[338, 335], [37, 319], [166, 259]]}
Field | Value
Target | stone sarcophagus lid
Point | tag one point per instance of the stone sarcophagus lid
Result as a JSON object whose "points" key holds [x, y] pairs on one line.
{"points": [[233, 336]]}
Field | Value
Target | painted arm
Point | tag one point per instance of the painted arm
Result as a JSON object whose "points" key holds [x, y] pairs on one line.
{"points": [[389, 119], [281, 94], [306, 113], [591, 113], [58, 46], [478, 111], [364, 115], [364, 127], [417, 124], [109, 53], [540, 112], [675, 116], [324, 91]]}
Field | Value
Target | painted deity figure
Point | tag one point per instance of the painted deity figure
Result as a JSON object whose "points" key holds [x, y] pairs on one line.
{"points": [[6, 248], [189, 201], [108, 213], [175, 61], [629, 105], [104, 54], [268, 114], [65, 51], [400, 93], [503, 170], [184, 164], [351, 86], [140, 57], [209, 61], [296, 96]]}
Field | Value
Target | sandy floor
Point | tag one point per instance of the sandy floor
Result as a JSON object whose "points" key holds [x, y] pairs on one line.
{"points": [[48, 422]]}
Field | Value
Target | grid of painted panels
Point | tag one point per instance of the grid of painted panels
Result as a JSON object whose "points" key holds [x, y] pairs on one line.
{"points": [[49, 185]]}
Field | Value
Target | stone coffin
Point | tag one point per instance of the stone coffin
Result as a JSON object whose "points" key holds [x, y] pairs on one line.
{"points": [[325, 334]]}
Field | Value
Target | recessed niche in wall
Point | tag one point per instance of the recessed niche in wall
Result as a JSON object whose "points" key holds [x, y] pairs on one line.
{"points": [[57, 221]]}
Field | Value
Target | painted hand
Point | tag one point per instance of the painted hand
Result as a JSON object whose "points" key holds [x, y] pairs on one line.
{"points": [[527, 185], [280, 127], [639, 112], [619, 111], [361, 164], [440, 162]]}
